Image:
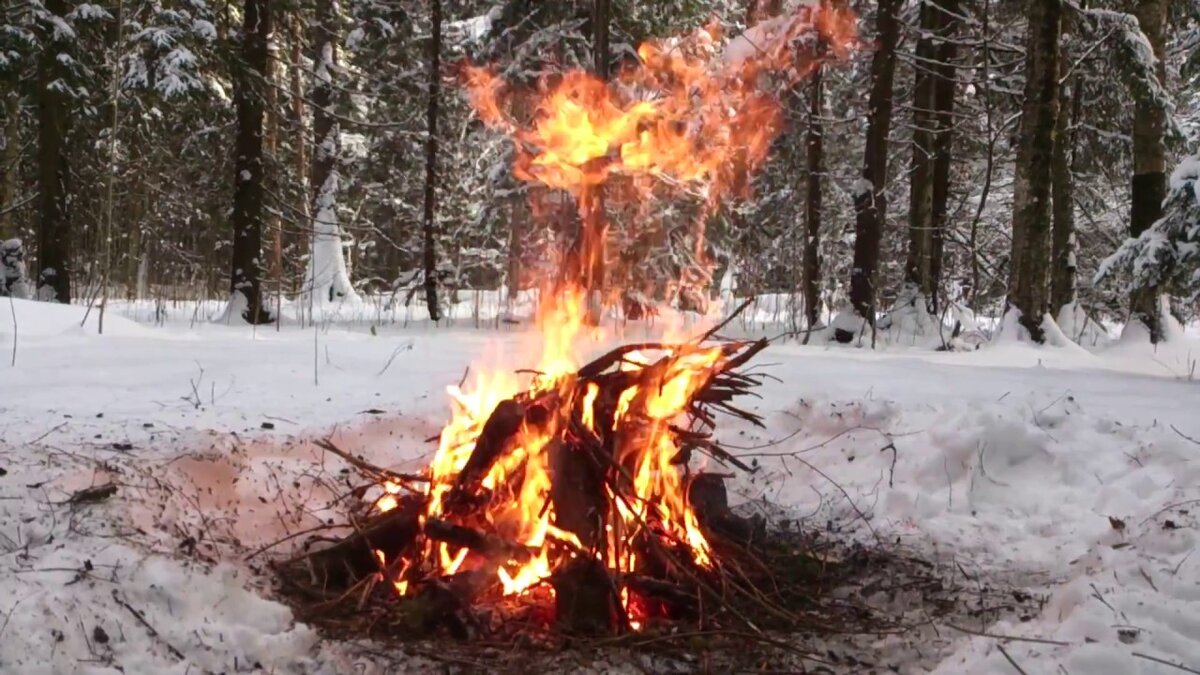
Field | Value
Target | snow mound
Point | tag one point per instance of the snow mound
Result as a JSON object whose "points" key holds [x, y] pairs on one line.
{"points": [[34, 319]]}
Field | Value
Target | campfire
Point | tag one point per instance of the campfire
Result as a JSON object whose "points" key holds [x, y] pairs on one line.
{"points": [[574, 495], [567, 497]]}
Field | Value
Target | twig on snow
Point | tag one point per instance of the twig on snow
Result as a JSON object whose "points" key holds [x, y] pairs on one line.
{"points": [[1173, 428], [1008, 658], [1166, 663], [141, 618], [1012, 638], [1168, 507]]}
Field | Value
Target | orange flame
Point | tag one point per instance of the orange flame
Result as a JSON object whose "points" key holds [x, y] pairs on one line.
{"points": [[688, 116]]}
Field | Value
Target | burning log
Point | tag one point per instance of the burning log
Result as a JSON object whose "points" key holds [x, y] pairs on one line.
{"points": [[493, 441], [586, 600], [340, 566], [464, 537], [577, 492]]}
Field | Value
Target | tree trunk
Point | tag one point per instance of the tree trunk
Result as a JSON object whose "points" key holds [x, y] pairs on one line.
{"points": [[870, 202], [1149, 187], [1028, 288], [431, 145], [1062, 240], [920, 206], [248, 192], [299, 127], [54, 119], [945, 89], [814, 161], [327, 279], [11, 162], [271, 148]]}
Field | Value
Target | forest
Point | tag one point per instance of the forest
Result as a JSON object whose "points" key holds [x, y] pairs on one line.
{"points": [[456, 336], [963, 158]]}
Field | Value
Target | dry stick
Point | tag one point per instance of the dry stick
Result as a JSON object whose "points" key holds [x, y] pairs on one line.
{"points": [[377, 471], [1013, 638], [1011, 661], [1166, 663], [301, 533], [863, 516], [1168, 507], [1173, 427], [725, 322], [150, 629]]}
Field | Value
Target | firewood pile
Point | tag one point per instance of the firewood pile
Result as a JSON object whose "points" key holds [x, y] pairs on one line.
{"points": [[571, 512]]}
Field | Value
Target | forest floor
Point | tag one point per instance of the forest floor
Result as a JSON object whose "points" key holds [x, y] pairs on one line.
{"points": [[1072, 476]]}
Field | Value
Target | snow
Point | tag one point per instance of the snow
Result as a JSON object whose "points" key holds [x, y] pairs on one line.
{"points": [[1010, 458]]}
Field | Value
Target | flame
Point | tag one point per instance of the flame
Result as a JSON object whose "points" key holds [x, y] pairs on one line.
{"points": [[688, 116], [696, 113]]}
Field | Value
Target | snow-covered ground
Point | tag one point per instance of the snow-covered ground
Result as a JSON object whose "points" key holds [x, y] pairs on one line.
{"points": [[1071, 471]]}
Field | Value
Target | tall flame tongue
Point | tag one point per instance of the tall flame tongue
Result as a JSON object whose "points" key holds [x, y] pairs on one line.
{"points": [[689, 116], [696, 113]]}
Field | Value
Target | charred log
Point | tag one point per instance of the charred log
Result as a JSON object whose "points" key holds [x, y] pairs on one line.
{"points": [[586, 601]]}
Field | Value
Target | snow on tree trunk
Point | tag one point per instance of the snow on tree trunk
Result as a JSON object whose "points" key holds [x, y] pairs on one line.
{"points": [[327, 278], [1062, 240]]}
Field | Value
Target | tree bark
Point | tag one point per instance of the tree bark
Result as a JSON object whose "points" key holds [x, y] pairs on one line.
{"points": [[299, 127], [814, 161], [431, 148], [945, 89], [11, 162], [54, 121], [1062, 240], [1149, 187], [1028, 290], [920, 205], [870, 202], [248, 193]]}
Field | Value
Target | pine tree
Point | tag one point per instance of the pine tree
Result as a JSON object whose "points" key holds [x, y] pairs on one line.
{"points": [[1167, 254]]}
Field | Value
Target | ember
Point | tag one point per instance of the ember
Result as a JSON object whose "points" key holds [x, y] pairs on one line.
{"points": [[572, 495]]}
